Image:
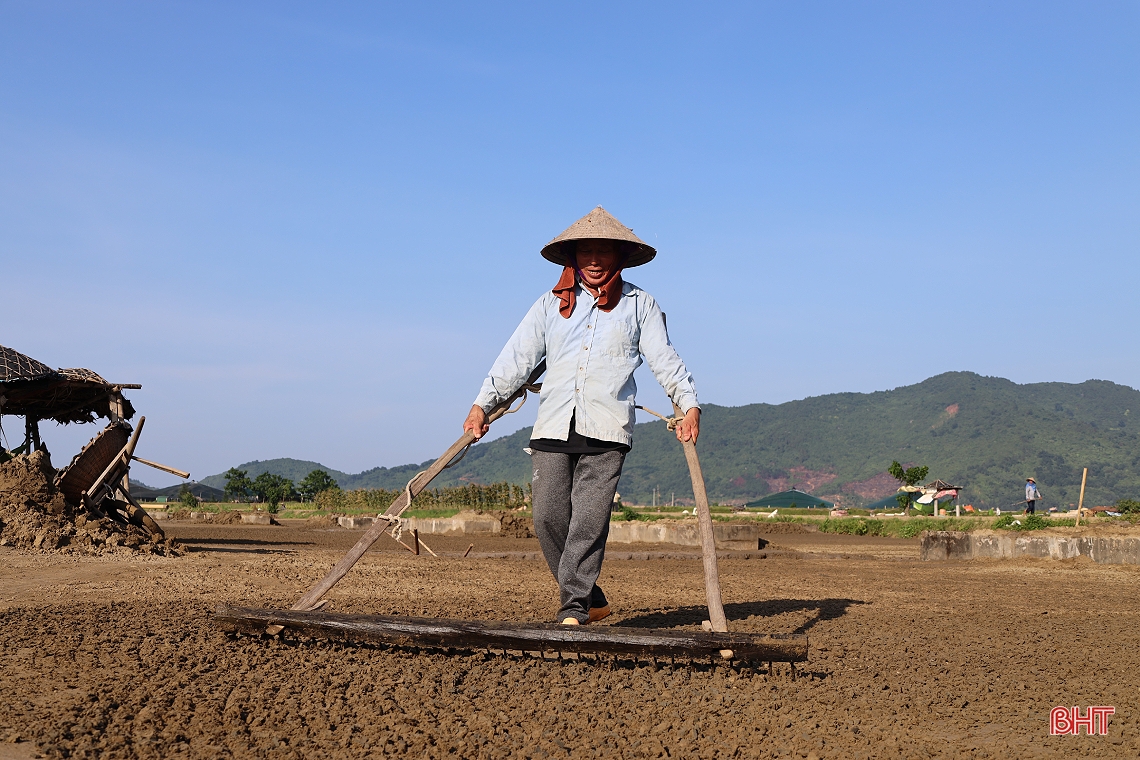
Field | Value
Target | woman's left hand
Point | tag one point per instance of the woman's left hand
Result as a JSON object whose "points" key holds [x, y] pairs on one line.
{"points": [[690, 427]]}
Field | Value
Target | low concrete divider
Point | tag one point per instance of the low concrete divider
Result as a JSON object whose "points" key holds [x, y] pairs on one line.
{"points": [[684, 533], [355, 523], [726, 536], [938, 545], [463, 524]]}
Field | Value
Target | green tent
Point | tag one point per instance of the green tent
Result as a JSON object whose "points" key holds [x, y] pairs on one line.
{"points": [[790, 499]]}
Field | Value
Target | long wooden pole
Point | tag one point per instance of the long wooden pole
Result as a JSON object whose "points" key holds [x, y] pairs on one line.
{"points": [[717, 620], [705, 529], [1081, 501], [164, 467], [402, 502]]}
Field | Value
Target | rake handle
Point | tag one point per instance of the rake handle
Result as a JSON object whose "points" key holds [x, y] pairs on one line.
{"points": [[402, 502], [705, 529]]}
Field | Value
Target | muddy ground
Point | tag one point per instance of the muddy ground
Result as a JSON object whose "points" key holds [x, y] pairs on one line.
{"points": [[118, 657]]}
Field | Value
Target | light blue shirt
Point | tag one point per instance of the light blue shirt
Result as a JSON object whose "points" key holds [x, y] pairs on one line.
{"points": [[1031, 493], [590, 359]]}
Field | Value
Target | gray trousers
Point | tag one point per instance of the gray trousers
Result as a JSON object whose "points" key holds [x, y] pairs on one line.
{"points": [[573, 494]]}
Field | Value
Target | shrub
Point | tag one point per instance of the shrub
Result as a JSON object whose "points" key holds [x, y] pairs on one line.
{"points": [[186, 498], [627, 513], [853, 526], [858, 526], [912, 528], [1027, 522], [1128, 506]]}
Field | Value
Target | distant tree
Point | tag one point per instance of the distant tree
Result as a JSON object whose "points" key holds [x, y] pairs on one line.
{"points": [[273, 489], [911, 476], [315, 482], [187, 498], [238, 484]]}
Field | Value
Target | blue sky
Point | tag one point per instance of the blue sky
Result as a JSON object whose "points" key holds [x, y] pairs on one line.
{"points": [[307, 229]]}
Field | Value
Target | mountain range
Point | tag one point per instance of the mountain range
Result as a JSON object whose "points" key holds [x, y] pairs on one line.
{"points": [[985, 434]]}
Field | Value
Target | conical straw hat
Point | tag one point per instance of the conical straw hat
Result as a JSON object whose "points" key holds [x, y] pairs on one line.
{"points": [[599, 224]]}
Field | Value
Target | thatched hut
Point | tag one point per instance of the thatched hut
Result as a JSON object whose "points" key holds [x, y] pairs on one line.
{"points": [[35, 391]]}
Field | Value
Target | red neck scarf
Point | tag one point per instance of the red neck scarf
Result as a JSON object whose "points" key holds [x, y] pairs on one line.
{"points": [[608, 293]]}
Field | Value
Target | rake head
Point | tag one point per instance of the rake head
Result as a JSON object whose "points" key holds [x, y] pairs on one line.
{"points": [[439, 633]]}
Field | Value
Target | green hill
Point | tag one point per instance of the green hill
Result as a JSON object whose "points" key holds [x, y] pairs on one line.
{"points": [[986, 434]]}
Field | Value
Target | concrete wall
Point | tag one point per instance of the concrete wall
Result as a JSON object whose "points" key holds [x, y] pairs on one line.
{"points": [[684, 533], [726, 536], [463, 524], [944, 544]]}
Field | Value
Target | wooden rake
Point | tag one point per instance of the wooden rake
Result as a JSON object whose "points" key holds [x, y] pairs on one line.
{"points": [[714, 640]]}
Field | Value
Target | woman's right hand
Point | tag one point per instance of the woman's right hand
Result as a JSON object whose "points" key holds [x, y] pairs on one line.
{"points": [[476, 422]]}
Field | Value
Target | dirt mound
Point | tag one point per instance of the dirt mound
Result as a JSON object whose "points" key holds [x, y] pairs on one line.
{"points": [[225, 517], [514, 524], [34, 516], [322, 522]]}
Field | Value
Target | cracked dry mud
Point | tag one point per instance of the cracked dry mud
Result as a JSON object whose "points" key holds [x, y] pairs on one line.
{"points": [[118, 657]]}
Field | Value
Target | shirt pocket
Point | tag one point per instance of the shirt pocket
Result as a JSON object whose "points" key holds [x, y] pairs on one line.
{"points": [[621, 341]]}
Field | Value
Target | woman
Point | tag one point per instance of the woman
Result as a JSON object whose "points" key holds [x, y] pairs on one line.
{"points": [[593, 328]]}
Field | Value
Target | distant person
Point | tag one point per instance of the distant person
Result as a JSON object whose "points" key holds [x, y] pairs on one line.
{"points": [[593, 329], [1031, 496]]}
